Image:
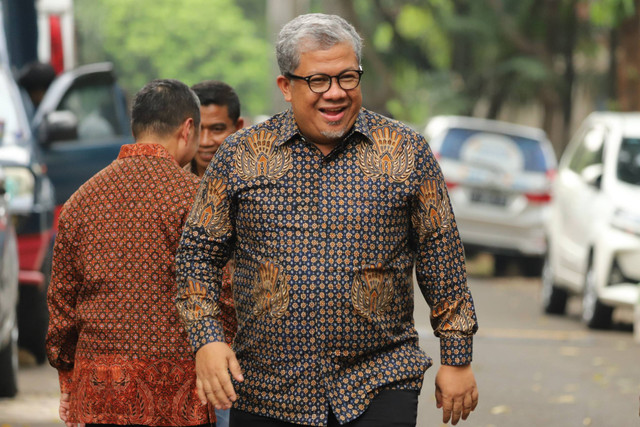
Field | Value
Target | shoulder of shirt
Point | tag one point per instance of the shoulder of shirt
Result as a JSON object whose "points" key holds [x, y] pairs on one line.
{"points": [[280, 126], [184, 178], [371, 121]]}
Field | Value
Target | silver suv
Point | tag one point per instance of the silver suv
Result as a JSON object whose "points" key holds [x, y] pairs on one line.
{"points": [[499, 177]]}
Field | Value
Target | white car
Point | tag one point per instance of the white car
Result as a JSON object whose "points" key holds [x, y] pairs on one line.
{"points": [[594, 226], [499, 178]]}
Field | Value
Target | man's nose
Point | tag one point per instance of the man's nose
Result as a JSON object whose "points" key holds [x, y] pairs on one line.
{"points": [[335, 91], [206, 138]]}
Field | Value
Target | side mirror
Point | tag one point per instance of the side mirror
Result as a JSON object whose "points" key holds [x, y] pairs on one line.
{"points": [[592, 174], [58, 126]]}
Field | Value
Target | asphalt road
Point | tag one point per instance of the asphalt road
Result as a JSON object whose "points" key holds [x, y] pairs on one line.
{"points": [[531, 369]]}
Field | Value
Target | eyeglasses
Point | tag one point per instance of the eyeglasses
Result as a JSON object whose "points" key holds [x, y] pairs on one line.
{"points": [[321, 83]]}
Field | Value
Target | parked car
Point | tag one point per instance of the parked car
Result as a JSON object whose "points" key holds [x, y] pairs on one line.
{"points": [[31, 202], [76, 131], [498, 176], [594, 226], [8, 298]]}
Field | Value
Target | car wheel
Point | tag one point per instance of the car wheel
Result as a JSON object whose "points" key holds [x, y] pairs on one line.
{"points": [[530, 266], [554, 299], [594, 313], [501, 265], [33, 315], [9, 367]]}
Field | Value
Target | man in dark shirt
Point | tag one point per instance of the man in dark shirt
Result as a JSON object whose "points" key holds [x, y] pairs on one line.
{"points": [[327, 208]]}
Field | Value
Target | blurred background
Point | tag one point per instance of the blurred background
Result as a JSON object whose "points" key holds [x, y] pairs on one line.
{"points": [[544, 63], [530, 106]]}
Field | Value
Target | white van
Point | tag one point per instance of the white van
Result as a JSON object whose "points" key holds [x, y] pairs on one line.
{"points": [[594, 227]]}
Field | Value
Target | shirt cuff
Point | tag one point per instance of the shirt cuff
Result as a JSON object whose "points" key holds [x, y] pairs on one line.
{"points": [[66, 380], [205, 331], [456, 350]]}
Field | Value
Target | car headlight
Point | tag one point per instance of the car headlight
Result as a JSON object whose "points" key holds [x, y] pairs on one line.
{"points": [[19, 185], [626, 221]]}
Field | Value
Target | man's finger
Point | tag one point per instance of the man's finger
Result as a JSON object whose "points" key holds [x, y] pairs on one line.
{"points": [[467, 406], [447, 408], [226, 393], [200, 390], [474, 398], [438, 398], [220, 388], [234, 368], [456, 411]]}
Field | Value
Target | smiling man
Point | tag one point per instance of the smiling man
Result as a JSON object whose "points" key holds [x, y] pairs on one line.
{"points": [[327, 208], [220, 117]]}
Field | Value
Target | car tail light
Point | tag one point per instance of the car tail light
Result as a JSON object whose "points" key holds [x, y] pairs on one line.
{"points": [[538, 197], [451, 185]]}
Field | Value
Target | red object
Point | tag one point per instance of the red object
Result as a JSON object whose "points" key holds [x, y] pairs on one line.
{"points": [[451, 185], [57, 54], [539, 198], [32, 249]]}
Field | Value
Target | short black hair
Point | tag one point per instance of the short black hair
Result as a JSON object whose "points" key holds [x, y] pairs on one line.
{"points": [[36, 76], [218, 93], [161, 106]]}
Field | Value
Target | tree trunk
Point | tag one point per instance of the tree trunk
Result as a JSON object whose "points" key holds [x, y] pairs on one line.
{"points": [[628, 59]]}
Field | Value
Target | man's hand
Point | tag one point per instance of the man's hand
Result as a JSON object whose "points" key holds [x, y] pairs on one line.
{"points": [[456, 392], [214, 361], [63, 411]]}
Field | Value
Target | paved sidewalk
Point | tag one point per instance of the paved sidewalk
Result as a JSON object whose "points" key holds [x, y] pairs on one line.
{"points": [[36, 404]]}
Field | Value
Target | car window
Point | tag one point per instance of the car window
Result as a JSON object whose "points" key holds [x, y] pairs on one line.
{"points": [[529, 149], [589, 149], [629, 161], [94, 106]]}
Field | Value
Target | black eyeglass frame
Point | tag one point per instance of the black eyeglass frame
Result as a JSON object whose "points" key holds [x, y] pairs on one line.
{"points": [[337, 77]]}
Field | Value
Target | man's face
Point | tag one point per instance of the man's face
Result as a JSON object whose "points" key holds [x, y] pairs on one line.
{"points": [[324, 118], [215, 126]]}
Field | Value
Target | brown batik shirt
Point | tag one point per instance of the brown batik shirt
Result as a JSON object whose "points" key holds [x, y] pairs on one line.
{"points": [[114, 333]]}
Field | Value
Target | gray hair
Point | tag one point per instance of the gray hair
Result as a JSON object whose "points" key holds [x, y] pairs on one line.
{"points": [[313, 31]]}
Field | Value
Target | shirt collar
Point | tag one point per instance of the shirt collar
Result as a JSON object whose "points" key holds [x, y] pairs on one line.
{"points": [[144, 149], [289, 128]]}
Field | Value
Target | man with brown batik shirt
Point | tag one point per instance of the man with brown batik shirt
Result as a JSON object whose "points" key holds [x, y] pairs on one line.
{"points": [[114, 336]]}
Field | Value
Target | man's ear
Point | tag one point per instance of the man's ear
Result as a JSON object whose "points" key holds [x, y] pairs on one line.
{"points": [[187, 127], [285, 87], [239, 123]]}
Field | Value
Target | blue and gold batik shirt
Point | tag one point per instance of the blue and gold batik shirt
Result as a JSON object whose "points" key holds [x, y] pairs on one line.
{"points": [[325, 248]]}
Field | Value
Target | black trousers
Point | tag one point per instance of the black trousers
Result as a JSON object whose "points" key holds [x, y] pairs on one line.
{"points": [[390, 408]]}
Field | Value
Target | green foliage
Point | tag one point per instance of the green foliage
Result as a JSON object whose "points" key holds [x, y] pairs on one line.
{"points": [[608, 13], [190, 40], [419, 24], [383, 37], [424, 95]]}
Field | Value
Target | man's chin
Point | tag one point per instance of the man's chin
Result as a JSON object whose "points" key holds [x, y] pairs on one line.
{"points": [[334, 134]]}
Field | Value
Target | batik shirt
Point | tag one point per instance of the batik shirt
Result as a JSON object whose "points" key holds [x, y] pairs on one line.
{"points": [[115, 335], [325, 248]]}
